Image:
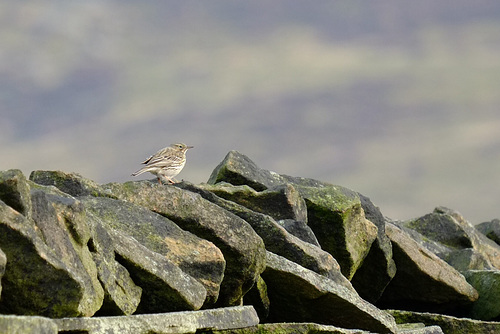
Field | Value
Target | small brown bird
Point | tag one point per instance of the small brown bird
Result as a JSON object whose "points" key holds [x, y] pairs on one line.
{"points": [[167, 162]]}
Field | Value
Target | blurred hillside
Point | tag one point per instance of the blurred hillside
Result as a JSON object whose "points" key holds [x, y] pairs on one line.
{"points": [[395, 99]]}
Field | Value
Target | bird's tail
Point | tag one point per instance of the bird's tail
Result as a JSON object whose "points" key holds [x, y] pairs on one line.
{"points": [[140, 171]]}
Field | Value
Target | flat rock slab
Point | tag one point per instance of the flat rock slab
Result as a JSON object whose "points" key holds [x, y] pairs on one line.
{"points": [[449, 324], [423, 281], [175, 322], [299, 294], [21, 324]]}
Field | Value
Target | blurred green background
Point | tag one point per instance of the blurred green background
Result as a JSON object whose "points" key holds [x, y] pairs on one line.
{"points": [[398, 100]]}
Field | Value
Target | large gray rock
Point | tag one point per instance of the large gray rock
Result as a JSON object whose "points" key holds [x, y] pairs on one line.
{"points": [[280, 202], [165, 287], [62, 223], [70, 183], [334, 213], [450, 228], [243, 249], [277, 239], [19, 324], [378, 268], [449, 324], [15, 191], [197, 257], [423, 280], [37, 281], [122, 295], [167, 323], [490, 229], [299, 295], [238, 169], [338, 221], [487, 284]]}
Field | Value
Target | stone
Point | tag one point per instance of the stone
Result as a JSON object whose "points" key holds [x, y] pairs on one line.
{"points": [[300, 295], [122, 296], [334, 213], [292, 327], [423, 281], [448, 324], [165, 287], [243, 249], [62, 222], [441, 227], [378, 267], [238, 169], [166, 323], [487, 284], [19, 324], [15, 191], [37, 281], [197, 257], [467, 259], [450, 228], [277, 239], [280, 202], [338, 221], [491, 230], [70, 183], [300, 229]]}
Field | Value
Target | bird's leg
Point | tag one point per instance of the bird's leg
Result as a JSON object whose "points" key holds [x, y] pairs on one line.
{"points": [[170, 180], [159, 180]]}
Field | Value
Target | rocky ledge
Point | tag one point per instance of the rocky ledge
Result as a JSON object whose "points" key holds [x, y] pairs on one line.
{"points": [[250, 251]]}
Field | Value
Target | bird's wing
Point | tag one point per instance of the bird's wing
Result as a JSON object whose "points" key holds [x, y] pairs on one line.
{"points": [[165, 158], [157, 155]]}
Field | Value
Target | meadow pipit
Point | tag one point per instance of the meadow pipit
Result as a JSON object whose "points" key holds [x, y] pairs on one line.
{"points": [[167, 162]]}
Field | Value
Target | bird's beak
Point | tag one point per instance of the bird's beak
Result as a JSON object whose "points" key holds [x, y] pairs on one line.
{"points": [[188, 147]]}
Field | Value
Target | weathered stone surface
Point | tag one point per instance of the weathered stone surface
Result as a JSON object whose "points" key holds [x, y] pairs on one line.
{"points": [[467, 259], [451, 229], [61, 220], [300, 295], [18, 324], [419, 329], [70, 183], [301, 230], [3, 263], [278, 240], [36, 280], [292, 327], [243, 249], [378, 268], [422, 280], [197, 257], [334, 212], [238, 169], [122, 295], [15, 191], [175, 322], [280, 202], [487, 284], [338, 221], [491, 230], [448, 324], [165, 287]]}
